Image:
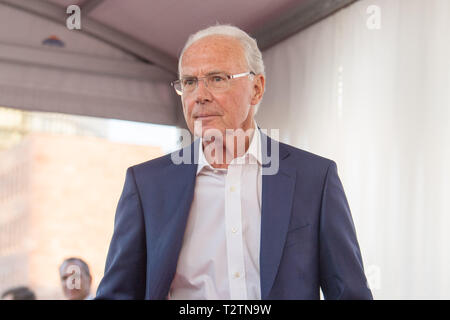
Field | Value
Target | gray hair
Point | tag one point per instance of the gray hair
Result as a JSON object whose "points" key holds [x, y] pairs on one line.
{"points": [[252, 53]]}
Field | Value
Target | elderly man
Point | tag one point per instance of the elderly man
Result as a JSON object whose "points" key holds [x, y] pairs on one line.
{"points": [[226, 225]]}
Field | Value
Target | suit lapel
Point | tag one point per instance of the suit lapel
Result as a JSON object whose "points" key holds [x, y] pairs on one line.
{"points": [[172, 225], [277, 197]]}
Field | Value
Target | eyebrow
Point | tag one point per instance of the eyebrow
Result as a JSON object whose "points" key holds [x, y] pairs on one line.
{"points": [[208, 74]]}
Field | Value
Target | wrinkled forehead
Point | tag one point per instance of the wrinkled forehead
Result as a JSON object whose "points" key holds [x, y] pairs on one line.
{"points": [[214, 53]]}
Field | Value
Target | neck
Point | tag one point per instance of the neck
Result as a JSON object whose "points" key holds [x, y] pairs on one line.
{"points": [[219, 152]]}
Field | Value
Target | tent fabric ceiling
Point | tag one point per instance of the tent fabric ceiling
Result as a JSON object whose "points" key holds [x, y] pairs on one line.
{"points": [[179, 19], [121, 62], [167, 24], [85, 76]]}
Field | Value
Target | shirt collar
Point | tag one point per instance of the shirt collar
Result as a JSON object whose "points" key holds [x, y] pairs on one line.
{"points": [[202, 162], [254, 150]]}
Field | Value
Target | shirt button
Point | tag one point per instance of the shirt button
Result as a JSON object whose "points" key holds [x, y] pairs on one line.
{"points": [[237, 275], [234, 230], [232, 188]]}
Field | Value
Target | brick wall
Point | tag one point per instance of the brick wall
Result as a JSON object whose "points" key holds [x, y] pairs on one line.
{"points": [[66, 203]]}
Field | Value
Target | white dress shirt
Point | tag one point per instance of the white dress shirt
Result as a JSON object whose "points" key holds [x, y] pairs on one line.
{"points": [[219, 258]]}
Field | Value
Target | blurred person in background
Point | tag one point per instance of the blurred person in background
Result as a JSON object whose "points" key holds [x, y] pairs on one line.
{"points": [[76, 279], [19, 293]]}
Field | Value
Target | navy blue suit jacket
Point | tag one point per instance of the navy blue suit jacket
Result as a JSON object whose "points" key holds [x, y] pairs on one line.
{"points": [[308, 238]]}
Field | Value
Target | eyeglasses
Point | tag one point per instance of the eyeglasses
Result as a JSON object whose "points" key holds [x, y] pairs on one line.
{"points": [[215, 82]]}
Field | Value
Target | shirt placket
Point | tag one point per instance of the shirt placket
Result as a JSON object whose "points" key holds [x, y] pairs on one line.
{"points": [[233, 224]]}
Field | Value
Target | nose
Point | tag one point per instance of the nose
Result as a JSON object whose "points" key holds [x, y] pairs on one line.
{"points": [[201, 94]]}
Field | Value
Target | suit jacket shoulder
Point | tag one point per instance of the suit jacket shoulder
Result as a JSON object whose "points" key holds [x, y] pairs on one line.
{"points": [[164, 164], [306, 157], [308, 166]]}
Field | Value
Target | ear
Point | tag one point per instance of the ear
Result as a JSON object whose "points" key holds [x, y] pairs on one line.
{"points": [[258, 88]]}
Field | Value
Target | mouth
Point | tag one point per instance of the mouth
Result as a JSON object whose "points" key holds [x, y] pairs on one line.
{"points": [[205, 116]]}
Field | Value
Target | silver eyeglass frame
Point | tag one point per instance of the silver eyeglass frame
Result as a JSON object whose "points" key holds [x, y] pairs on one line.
{"points": [[176, 83]]}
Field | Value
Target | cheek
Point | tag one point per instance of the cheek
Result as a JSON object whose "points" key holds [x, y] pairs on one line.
{"points": [[238, 106], [188, 106], [86, 285]]}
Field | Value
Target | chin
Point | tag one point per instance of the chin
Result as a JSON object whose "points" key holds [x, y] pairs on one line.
{"points": [[73, 295], [208, 128]]}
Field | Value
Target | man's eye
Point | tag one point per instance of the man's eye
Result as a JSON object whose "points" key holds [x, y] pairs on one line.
{"points": [[188, 82], [218, 79]]}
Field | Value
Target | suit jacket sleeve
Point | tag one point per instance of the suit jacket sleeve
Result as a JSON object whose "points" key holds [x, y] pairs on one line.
{"points": [[125, 270], [341, 266]]}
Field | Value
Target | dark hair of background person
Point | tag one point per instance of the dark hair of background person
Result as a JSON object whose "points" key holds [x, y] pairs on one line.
{"points": [[20, 293], [83, 264]]}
